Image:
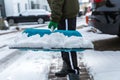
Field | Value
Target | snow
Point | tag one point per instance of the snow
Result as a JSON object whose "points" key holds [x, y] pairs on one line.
{"points": [[54, 40], [93, 36], [103, 65], [32, 66], [6, 39], [3, 52], [35, 65], [30, 25]]}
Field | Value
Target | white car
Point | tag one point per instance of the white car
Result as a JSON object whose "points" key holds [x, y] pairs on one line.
{"points": [[33, 15]]}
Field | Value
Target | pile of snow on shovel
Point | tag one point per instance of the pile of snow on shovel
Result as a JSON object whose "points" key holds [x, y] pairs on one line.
{"points": [[53, 40]]}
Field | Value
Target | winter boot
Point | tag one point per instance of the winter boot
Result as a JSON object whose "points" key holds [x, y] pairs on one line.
{"points": [[63, 72], [73, 76]]}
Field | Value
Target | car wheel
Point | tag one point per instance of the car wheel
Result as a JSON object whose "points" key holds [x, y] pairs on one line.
{"points": [[11, 22], [40, 21], [118, 35], [119, 32]]}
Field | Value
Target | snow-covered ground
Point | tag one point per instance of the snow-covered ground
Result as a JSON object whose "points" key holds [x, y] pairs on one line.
{"points": [[103, 65], [34, 65], [31, 66]]}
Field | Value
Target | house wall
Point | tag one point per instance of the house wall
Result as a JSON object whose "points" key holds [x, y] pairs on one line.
{"points": [[8, 7], [13, 7], [42, 4], [83, 4]]}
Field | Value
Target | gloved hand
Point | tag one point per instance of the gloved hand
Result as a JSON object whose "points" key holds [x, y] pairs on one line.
{"points": [[53, 25]]}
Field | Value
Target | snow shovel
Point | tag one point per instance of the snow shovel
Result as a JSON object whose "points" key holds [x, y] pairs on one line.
{"points": [[42, 32]]}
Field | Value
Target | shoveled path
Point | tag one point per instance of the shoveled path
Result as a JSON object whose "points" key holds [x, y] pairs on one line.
{"points": [[84, 73]]}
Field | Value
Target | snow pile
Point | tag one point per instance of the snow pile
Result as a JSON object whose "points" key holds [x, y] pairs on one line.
{"points": [[103, 65], [31, 66], [54, 40], [94, 36]]}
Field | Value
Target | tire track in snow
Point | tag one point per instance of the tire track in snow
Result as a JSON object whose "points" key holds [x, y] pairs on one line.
{"points": [[2, 46], [9, 59]]}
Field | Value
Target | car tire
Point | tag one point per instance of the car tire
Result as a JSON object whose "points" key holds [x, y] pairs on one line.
{"points": [[11, 22], [118, 35], [119, 32], [40, 21]]}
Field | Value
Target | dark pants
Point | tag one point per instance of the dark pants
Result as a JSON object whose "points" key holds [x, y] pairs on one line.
{"points": [[70, 58]]}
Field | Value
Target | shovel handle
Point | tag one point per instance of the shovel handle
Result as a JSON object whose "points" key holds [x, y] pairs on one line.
{"points": [[52, 29]]}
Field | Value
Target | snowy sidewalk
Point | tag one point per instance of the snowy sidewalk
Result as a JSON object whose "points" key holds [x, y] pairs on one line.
{"points": [[31, 66], [56, 65], [103, 65]]}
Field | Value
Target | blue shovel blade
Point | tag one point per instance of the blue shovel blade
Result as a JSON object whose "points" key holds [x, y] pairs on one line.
{"points": [[41, 32], [69, 33]]}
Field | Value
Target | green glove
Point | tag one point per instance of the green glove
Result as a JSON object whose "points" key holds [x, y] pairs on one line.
{"points": [[53, 25]]}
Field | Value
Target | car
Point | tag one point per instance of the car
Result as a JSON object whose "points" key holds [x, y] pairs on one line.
{"points": [[32, 15], [106, 16]]}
